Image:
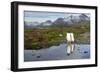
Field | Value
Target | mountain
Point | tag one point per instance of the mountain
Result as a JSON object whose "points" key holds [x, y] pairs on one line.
{"points": [[84, 17], [46, 23], [59, 22], [72, 19], [31, 24], [68, 21]]}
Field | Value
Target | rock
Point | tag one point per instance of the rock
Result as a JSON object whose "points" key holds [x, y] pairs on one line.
{"points": [[68, 54], [85, 51], [38, 56]]}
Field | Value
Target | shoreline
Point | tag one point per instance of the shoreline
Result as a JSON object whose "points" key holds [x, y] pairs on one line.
{"points": [[57, 45]]}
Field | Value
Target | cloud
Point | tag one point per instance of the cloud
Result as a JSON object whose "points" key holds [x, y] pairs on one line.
{"points": [[41, 16]]}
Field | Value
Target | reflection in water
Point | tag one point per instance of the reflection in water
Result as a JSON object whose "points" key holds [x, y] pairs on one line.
{"points": [[70, 48], [70, 41], [74, 51]]}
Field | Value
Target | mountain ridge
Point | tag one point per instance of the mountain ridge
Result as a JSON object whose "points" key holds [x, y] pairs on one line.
{"points": [[68, 21]]}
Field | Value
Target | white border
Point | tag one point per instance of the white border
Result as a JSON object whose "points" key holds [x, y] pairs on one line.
{"points": [[22, 64]]}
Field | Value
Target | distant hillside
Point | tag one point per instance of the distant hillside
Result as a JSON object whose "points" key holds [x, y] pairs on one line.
{"points": [[60, 22]]}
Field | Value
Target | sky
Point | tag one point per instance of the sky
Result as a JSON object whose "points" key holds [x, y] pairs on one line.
{"points": [[40, 16]]}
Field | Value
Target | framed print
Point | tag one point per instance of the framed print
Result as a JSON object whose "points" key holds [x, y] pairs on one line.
{"points": [[52, 36]]}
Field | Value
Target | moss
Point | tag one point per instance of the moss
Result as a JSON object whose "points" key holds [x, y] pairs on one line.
{"points": [[44, 38]]}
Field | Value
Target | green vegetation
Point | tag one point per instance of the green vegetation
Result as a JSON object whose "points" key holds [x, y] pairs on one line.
{"points": [[38, 38]]}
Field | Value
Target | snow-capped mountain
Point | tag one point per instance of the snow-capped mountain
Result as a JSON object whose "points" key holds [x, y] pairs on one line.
{"points": [[46, 23], [74, 19], [66, 21]]}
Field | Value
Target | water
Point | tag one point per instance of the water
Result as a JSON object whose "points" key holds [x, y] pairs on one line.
{"points": [[60, 52]]}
